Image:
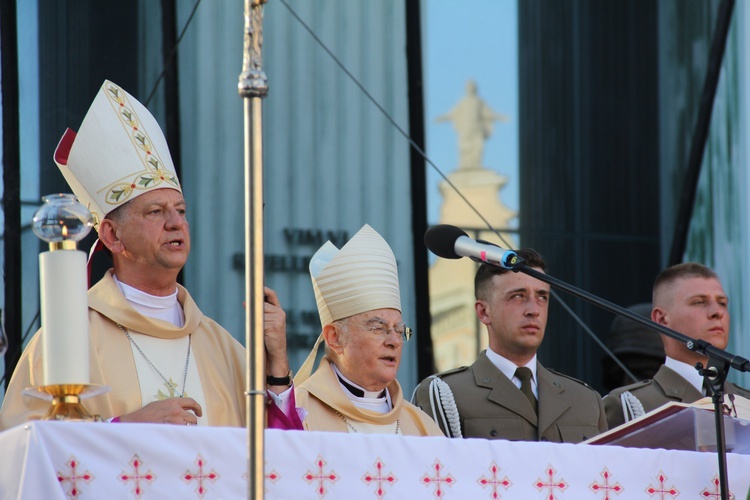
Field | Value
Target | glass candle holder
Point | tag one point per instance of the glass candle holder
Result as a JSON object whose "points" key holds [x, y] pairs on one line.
{"points": [[62, 221]]}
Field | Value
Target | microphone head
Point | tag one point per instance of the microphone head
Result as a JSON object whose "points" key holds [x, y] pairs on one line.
{"points": [[441, 240]]}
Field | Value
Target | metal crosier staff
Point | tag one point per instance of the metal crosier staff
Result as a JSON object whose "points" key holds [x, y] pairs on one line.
{"points": [[253, 86]]}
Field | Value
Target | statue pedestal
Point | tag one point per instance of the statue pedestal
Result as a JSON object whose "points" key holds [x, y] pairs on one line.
{"points": [[457, 334], [482, 188]]}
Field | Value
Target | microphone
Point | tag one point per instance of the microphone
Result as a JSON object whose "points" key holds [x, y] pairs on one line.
{"points": [[451, 242]]}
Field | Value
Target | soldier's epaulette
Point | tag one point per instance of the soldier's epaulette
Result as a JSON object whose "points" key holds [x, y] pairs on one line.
{"points": [[634, 386], [638, 385], [450, 372], [565, 375]]}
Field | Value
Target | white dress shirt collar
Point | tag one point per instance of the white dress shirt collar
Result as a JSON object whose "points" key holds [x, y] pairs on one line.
{"points": [[508, 368], [686, 371]]}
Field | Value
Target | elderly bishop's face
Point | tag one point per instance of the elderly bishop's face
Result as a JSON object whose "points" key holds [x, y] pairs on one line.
{"points": [[370, 350]]}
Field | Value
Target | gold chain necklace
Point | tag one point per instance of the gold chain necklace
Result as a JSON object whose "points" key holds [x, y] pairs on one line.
{"points": [[351, 428], [187, 359]]}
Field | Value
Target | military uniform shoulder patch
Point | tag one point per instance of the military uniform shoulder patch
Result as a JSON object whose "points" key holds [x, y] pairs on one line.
{"points": [[565, 375], [451, 371], [635, 386]]}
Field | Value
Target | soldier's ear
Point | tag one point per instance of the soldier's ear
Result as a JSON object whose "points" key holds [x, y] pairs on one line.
{"points": [[483, 311], [659, 316]]}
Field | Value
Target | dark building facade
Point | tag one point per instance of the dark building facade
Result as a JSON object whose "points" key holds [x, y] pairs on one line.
{"points": [[589, 148], [593, 153]]}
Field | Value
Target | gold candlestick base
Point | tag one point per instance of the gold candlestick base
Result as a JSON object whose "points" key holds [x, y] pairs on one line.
{"points": [[66, 400]]}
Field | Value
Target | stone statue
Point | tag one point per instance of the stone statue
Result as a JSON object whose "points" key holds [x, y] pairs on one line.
{"points": [[473, 121]]}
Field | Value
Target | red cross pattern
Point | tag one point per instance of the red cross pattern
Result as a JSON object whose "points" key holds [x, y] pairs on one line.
{"points": [[662, 490], [321, 477], [272, 476], [200, 476], [494, 482], [74, 477], [716, 493], [551, 484], [438, 480], [606, 488], [379, 479], [137, 476]]}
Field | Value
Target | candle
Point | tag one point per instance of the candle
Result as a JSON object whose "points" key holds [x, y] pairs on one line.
{"points": [[64, 313], [61, 221]]}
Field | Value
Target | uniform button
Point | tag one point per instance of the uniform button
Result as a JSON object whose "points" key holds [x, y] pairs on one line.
{"points": [[493, 433]]}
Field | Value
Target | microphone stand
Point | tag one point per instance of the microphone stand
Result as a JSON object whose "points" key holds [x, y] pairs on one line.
{"points": [[715, 374]]}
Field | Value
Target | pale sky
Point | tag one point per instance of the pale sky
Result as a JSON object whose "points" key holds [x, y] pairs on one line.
{"points": [[471, 40]]}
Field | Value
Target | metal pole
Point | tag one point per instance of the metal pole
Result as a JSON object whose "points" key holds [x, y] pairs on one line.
{"points": [[253, 86]]}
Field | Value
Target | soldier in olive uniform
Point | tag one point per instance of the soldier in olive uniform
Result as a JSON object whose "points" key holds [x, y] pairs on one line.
{"points": [[506, 393], [689, 299]]}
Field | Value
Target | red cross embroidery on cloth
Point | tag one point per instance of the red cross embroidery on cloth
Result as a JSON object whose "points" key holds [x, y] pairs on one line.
{"points": [[74, 477], [662, 490], [321, 477], [716, 493], [200, 476], [272, 476], [379, 479], [438, 480], [606, 488], [551, 484], [137, 476], [494, 481]]}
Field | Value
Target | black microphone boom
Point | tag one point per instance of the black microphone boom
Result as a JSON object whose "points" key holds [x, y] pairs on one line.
{"points": [[441, 240], [450, 242]]}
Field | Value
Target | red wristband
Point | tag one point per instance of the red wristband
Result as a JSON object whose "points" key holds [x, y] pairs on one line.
{"points": [[115, 420]]}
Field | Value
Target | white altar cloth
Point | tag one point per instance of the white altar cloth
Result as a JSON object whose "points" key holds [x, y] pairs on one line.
{"points": [[51, 460]]}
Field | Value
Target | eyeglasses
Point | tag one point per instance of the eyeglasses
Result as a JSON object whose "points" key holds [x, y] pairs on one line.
{"points": [[381, 329]]}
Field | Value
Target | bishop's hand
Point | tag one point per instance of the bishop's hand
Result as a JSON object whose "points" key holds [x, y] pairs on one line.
{"points": [[176, 411], [274, 339]]}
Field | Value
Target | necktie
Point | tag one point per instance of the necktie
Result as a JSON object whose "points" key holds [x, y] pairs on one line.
{"points": [[524, 375]]}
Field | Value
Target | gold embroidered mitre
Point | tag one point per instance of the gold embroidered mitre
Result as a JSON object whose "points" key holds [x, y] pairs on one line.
{"points": [[118, 153]]}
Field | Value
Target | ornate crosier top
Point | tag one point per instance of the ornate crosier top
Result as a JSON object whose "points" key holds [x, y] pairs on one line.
{"points": [[253, 81]]}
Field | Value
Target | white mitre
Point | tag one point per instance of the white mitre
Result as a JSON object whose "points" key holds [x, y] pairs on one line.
{"points": [[118, 153], [361, 277]]}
